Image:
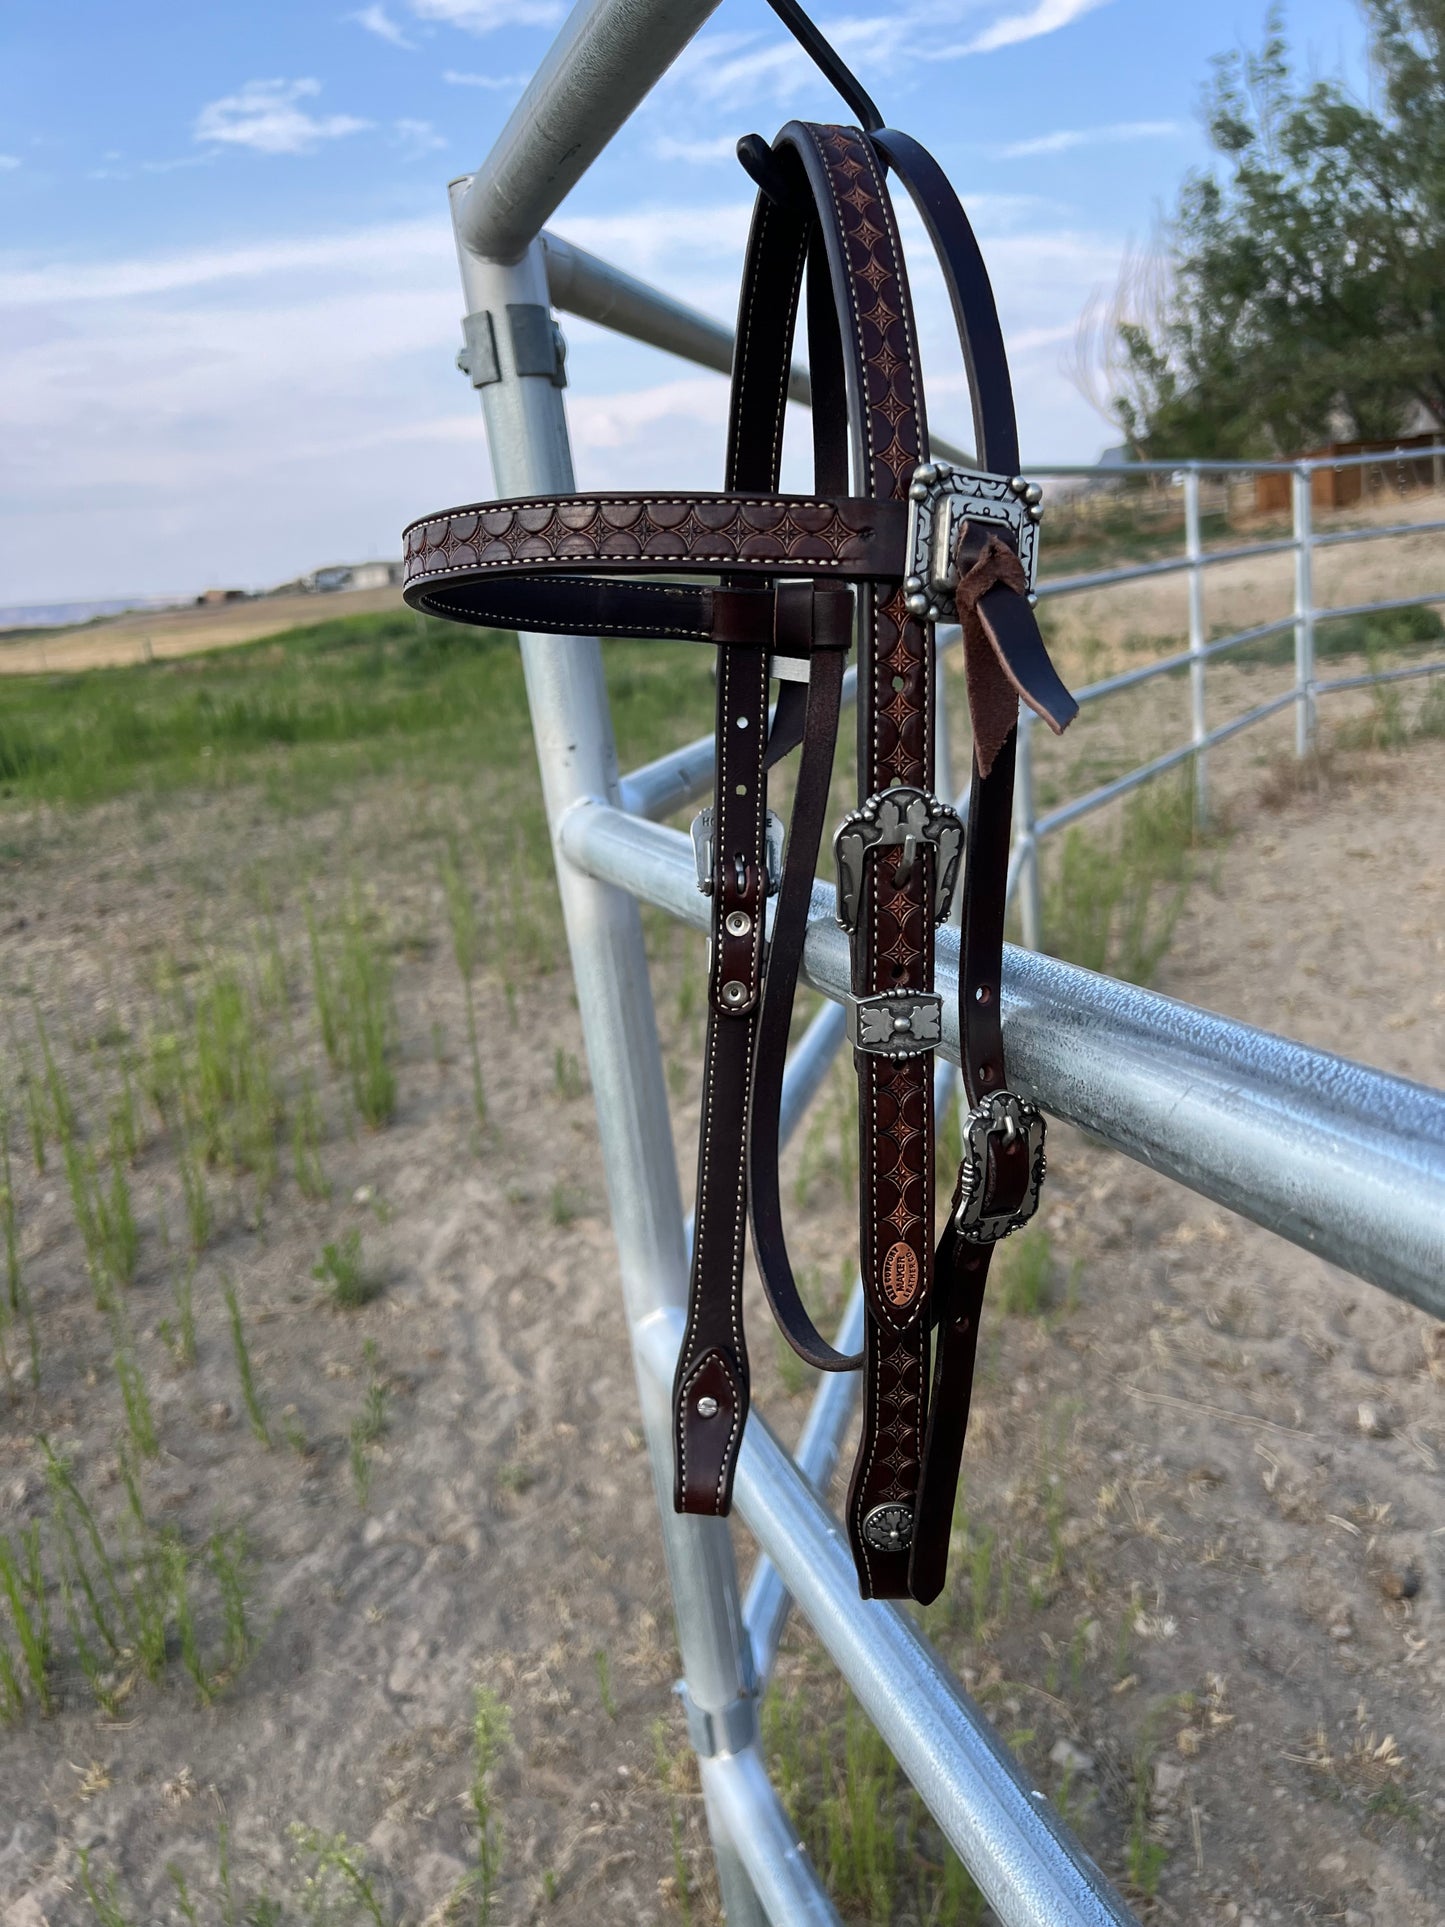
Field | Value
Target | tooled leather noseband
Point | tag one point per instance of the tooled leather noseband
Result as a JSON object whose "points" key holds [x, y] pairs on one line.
{"points": [[789, 582]]}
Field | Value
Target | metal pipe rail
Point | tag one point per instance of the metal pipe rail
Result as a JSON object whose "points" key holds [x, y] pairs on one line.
{"points": [[592, 289], [1345, 1161]]}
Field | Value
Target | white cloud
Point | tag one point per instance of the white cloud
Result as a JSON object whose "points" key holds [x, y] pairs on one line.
{"points": [[651, 239], [7, 161], [1046, 16], [1067, 138], [668, 148], [502, 83], [485, 16], [265, 117], [409, 245], [377, 20], [416, 137]]}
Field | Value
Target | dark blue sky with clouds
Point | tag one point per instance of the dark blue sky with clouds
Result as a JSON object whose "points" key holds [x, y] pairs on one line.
{"points": [[228, 298]]}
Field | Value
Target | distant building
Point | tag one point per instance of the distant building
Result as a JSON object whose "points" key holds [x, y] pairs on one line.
{"points": [[355, 575], [208, 596]]}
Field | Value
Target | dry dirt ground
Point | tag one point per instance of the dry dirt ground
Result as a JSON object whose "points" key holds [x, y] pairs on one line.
{"points": [[1200, 1577], [155, 635]]}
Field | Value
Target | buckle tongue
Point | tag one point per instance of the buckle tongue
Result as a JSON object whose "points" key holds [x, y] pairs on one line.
{"points": [[1002, 1118], [942, 496]]}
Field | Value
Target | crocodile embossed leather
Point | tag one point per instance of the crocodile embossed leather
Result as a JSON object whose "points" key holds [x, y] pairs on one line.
{"points": [[866, 561]]}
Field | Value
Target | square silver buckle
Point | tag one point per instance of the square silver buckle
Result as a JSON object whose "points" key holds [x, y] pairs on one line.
{"points": [[940, 497], [1007, 1116], [702, 850]]}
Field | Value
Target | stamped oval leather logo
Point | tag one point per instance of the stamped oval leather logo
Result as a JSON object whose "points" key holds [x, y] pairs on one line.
{"points": [[900, 1275]]}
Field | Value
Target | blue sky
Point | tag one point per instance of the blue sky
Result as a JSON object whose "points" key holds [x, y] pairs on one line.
{"points": [[228, 297]]}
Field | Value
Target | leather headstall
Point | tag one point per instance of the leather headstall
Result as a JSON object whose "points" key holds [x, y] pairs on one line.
{"points": [[887, 544]]}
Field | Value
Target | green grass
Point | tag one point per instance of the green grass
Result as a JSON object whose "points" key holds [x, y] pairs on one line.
{"points": [[314, 708], [1113, 895], [1405, 631]]}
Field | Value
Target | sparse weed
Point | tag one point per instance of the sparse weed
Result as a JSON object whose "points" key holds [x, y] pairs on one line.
{"points": [[563, 1204], [23, 1585], [1113, 902], [1145, 1855], [1026, 1267], [16, 1301], [567, 1074], [366, 1428], [323, 991], [491, 1735], [306, 1135], [340, 1268], [333, 1875], [139, 1415], [367, 1020], [255, 1411], [604, 1683], [462, 919]]}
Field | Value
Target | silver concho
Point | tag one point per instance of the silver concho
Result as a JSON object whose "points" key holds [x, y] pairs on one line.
{"points": [[889, 1528], [896, 1023], [900, 818], [1003, 1116]]}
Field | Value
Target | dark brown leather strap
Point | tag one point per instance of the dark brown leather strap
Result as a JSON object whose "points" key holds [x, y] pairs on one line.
{"points": [[710, 1385], [516, 564], [1005, 660]]}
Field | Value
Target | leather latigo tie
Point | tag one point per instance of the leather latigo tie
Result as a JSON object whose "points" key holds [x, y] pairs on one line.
{"points": [[887, 544]]}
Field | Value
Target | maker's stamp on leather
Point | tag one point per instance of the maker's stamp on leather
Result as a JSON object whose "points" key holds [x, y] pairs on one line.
{"points": [[900, 1275]]}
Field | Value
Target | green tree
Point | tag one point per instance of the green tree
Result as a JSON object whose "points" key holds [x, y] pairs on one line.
{"points": [[1304, 287]]}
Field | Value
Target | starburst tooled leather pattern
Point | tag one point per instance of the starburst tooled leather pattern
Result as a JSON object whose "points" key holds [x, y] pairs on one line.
{"points": [[896, 1101], [714, 531]]}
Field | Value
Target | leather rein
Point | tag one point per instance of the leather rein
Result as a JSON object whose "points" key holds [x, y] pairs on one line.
{"points": [[887, 544]]}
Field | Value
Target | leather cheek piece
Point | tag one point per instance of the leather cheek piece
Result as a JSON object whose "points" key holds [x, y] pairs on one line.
{"points": [[707, 1446]]}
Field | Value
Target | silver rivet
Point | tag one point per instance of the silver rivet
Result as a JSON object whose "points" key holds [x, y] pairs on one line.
{"points": [[1033, 494], [917, 492], [1019, 484], [738, 923], [1036, 514], [707, 1407], [917, 605], [913, 585], [934, 612], [903, 1023], [734, 993], [1033, 601]]}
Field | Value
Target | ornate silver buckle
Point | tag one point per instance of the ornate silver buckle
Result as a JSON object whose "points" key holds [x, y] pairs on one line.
{"points": [[702, 851], [1005, 1116], [902, 817], [896, 1023], [941, 496]]}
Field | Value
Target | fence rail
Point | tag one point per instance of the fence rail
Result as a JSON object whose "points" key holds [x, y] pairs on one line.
{"points": [[1343, 1160]]}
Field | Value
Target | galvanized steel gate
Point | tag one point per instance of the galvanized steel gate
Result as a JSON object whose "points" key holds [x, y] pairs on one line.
{"points": [[1342, 1160]]}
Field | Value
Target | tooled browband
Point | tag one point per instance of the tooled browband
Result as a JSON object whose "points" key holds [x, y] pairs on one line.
{"points": [[886, 544], [509, 564]]}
